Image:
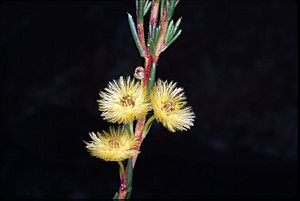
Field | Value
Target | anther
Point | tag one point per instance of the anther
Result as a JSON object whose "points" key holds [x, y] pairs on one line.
{"points": [[168, 107], [127, 101]]}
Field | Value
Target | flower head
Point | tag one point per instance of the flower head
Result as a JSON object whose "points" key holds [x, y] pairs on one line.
{"points": [[123, 101], [115, 145], [170, 108]]}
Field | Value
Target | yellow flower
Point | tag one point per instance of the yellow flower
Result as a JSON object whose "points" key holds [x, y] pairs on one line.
{"points": [[123, 101], [115, 145], [170, 108]]}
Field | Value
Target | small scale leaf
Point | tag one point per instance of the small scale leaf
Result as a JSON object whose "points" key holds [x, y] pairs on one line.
{"points": [[176, 2]]}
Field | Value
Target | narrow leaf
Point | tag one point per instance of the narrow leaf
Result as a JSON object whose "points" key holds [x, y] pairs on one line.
{"points": [[169, 31], [151, 78], [128, 129], [157, 32], [162, 5], [136, 5], [135, 35], [116, 196], [173, 39], [129, 191], [171, 10], [151, 46], [152, 30], [129, 173], [176, 3], [177, 25], [147, 7], [141, 11]]}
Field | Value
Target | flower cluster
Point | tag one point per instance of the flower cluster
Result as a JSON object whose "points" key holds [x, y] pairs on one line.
{"points": [[126, 100]]}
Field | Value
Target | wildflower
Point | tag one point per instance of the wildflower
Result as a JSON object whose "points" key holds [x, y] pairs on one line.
{"points": [[123, 101], [115, 145], [170, 108]]}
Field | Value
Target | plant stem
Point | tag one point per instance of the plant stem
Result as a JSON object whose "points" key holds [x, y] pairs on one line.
{"points": [[161, 38], [150, 61], [154, 12]]}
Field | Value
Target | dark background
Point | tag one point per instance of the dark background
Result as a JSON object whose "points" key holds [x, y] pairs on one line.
{"points": [[236, 60]]}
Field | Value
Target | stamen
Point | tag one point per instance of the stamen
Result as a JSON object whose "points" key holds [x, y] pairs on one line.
{"points": [[114, 143], [127, 101], [168, 107]]}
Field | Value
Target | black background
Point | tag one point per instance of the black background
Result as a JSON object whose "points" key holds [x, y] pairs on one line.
{"points": [[235, 59]]}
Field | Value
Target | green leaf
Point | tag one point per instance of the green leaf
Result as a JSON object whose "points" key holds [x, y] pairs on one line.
{"points": [[147, 7], [151, 46], [151, 78], [173, 39], [169, 31], [157, 32], [176, 2], [177, 25], [141, 11], [129, 170], [136, 5], [151, 30], [162, 6], [135, 35], [171, 9], [128, 128], [148, 125], [116, 196], [129, 191]]}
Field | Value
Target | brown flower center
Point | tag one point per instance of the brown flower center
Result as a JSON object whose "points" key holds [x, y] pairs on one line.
{"points": [[168, 107], [127, 101], [114, 143]]}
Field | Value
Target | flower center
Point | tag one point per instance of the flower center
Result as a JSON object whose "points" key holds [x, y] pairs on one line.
{"points": [[127, 101], [168, 107], [114, 143]]}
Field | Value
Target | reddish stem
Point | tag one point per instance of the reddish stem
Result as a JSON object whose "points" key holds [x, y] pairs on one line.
{"points": [[164, 27], [141, 35], [154, 12], [123, 188], [149, 60]]}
